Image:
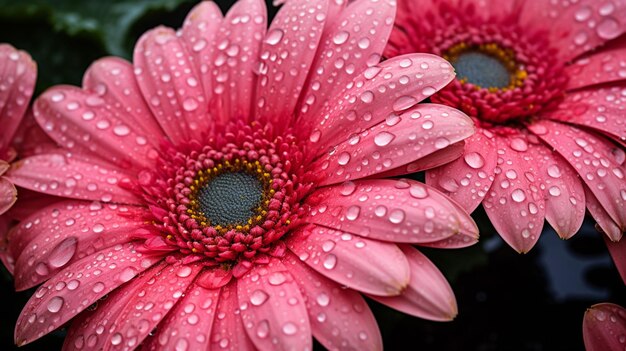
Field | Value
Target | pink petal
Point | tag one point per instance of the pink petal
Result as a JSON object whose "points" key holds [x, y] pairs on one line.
{"points": [[605, 223], [354, 42], [468, 179], [236, 53], [83, 232], [428, 295], [464, 238], [617, 249], [273, 309], [82, 122], [92, 328], [8, 195], [400, 140], [296, 30], [5, 255], [569, 24], [188, 326], [73, 177], [163, 292], [602, 67], [198, 34], [362, 264], [388, 210], [604, 327], [30, 139], [563, 191], [169, 83], [75, 288], [228, 331], [332, 324], [599, 163], [514, 203], [436, 159], [599, 108], [18, 76], [370, 98], [113, 79]]}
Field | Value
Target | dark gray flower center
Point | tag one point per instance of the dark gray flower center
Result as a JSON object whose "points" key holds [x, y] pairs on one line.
{"points": [[482, 69], [230, 198]]}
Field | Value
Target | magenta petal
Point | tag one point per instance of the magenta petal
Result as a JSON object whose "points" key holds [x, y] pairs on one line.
{"points": [[601, 67], [605, 222], [164, 291], [357, 51], [273, 309], [604, 327], [188, 326], [91, 328], [399, 140], [169, 83], [468, 179], [8, 195], [72, 177], [282, 77], [515, 204], [370, 100], [428, 295], [84, 231], [599, 163], [362, 264], [387, 210], [228, 331], [236, 53], [326, 303], [78, 286], [18, 75], [5, 255]]}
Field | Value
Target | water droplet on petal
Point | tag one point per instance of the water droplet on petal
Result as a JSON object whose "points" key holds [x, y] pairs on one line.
{"points": [[263, 329], [274, 36], [330, 261], [609, 28], [341, 37], [258, 297], [404, 102], [474, 160], [55, 304], [396, 216], [383, 138], [290, 328], [63, 252], [518, 195], [352, 212]]}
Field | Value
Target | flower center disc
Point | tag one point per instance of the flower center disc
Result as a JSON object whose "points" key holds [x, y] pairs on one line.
{"points": [[482, 69], [230, 198]]}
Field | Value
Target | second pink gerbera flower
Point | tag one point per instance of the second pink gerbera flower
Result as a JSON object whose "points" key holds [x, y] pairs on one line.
{"points": [[222, 200]]}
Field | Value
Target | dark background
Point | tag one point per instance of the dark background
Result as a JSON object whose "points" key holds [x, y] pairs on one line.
{"points": [[507, 301]]}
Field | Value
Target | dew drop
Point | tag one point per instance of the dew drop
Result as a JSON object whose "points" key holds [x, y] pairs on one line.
{"points": [[474, 160], [428, 91], [274, 36], [258, 297], [341, 37], [396, 216], [609, 28], [263, 329], [352, 212], [383, 138], [63, 252], [330, 261], [518, 195], [404, 102], [190, 104], [55, 304], [290, 328]]}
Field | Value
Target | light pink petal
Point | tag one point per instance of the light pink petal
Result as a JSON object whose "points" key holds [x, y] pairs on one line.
{"points": [[236, 54], [198, 34], [71, 231], [617, 249], [113, 79], [362, 264], [8, 195], [286, 56], [388, 210], [84, 123], [163, 292], [18, 75], [599, 163], [169, 83], [436, 159], [464, 238], [91, 329], [515, 203], [563, 191], [5, 255], [188, 326], [468, 179], [604, 327], [599, 108], [380, 92], [398, 141], [602, 67], [72, 177], [605, 223], [333, 323], [428, 295], [354, 42], [30, 139], [575, 27], [76, 288], [273, 309], [228, 331]]}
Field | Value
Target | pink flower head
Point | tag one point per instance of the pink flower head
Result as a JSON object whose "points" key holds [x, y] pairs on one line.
{"points": [[604, 327], [545, 83], [224, 191]]}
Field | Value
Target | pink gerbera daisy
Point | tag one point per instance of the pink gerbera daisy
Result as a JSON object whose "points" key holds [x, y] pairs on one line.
{"points": [[545, 83], [604, 327], [224, 191]]}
